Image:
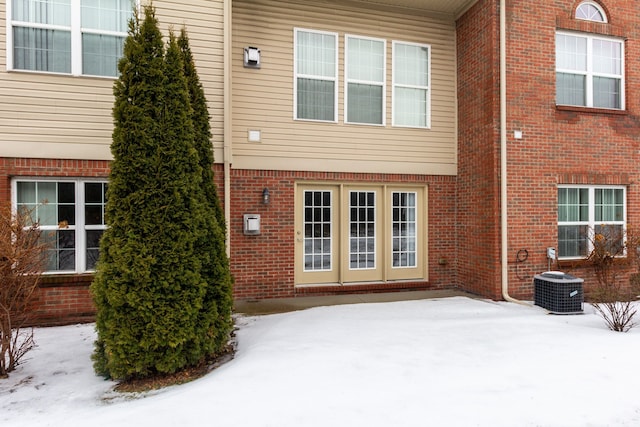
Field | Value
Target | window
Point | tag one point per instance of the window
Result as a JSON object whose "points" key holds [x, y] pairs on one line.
{"points": [[71, 217], [590, 11], [589, 71], [411, 75], [316, 75], [365, 80], [78, 37], [359, 233], [586, 212]]}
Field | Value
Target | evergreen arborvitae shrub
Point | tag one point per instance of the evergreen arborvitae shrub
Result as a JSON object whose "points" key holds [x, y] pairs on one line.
{"points": [[202, 127], [215, 321], [151, 287]]}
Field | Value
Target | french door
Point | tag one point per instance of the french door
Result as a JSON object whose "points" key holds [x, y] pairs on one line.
{"points": [[359, 233]]}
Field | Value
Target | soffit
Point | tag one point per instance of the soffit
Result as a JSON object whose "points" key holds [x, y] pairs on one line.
{"points": [[449, 7]]}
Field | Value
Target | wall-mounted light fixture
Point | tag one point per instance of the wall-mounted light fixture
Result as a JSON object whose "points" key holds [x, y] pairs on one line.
{"points": [[266, 197], [251, 57]]}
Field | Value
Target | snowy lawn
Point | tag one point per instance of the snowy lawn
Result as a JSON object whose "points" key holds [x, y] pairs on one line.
{"points": [[446, 362]]}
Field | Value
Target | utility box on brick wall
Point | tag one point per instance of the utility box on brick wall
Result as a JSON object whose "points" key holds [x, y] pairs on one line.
{"points": [[558, 292]]}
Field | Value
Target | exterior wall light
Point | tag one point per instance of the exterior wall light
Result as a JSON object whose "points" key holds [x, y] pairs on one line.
{"points": [[266, 197], [251, 57]]}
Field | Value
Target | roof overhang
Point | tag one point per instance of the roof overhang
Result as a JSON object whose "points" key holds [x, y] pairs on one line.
{"points": [[453, 8]]}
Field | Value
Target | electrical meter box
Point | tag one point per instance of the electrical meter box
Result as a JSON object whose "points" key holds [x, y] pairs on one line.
{"points": [[251, 224]]}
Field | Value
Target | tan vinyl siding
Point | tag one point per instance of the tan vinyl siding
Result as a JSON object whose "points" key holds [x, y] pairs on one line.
{"points": [[59, 116], [263, 98]]}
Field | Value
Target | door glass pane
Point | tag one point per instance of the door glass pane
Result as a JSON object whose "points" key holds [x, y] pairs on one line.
{"points": [[404, 236], [362, 230], [317, 231]]}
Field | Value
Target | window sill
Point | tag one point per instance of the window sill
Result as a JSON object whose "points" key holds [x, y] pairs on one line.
{"points": [[591, 110], [65, 280], [585, 262], [57, 74]]}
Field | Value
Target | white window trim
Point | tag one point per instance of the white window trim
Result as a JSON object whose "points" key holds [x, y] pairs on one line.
{"points": [[76, 39], [591, 223], [589, 73], [367, 82], [395, 85], [80, 227], [296, 30], [597, 6]]}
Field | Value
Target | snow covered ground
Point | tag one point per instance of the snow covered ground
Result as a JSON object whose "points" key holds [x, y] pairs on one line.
{"points": [[446, 362]]}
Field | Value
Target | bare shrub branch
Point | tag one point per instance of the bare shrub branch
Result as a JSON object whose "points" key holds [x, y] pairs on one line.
{"points": [[22, 260], [615, 252]]}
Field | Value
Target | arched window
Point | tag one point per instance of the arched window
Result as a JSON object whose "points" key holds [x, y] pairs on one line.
{"points": [[590, 11]]}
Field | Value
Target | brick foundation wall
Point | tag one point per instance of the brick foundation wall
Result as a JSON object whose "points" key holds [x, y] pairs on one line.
{"points": [[63, 300], [263, 265]]}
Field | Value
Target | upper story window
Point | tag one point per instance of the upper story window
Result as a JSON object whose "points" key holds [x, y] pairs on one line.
{"points": [[366, 77], [365, 80], [316, 75], [78, 37], [70, 215], [589, 70], [411, 82], [590, 11]]}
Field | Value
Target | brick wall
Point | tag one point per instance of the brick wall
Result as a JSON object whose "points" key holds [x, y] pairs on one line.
{"points": [[563, 145], [560, 145], [478, 189], [263, 265], [59, 299], [62, 300]]}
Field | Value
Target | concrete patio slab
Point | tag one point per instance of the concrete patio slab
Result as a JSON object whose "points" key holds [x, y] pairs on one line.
{"points": [[283, 305]]}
